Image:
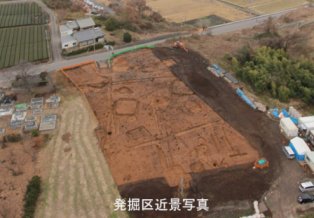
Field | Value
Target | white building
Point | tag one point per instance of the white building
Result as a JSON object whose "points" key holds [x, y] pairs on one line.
{"points": [[303, 120], [68, 42], [308, 127], [80, 33], [289, 129]]}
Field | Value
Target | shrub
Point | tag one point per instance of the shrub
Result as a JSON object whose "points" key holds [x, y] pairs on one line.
{"points": [[13, 138], [112, 24], [43, 76], [35, 133], [31, 196], [271, 71], [111, 43], [127, 37]]}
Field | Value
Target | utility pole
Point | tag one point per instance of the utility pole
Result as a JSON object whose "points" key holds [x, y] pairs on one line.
{"points": [[94, 39]]}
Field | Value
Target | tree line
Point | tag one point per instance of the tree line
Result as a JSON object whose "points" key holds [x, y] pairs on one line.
{"points": [[271, 71]]}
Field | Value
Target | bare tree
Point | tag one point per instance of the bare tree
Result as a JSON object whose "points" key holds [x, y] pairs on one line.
{"points": [[22, 76]]}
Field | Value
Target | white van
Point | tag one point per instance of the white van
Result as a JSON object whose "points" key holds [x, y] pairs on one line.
{"points": [[288, 152]]}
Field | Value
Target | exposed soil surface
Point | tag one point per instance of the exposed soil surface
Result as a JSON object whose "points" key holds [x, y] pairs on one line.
{"points": [[155, 126], [156, 132], [17, 166]]}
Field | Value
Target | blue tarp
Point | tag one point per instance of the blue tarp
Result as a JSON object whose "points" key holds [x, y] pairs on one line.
{"points": [[218, 69], [245, 98], [276, 113], [295, 120], [285, 112]]}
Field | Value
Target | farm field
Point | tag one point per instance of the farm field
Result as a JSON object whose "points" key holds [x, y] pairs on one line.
{"points": [[23, 33], [26, 43], [21, 14], [267, 6], [185, 10]]}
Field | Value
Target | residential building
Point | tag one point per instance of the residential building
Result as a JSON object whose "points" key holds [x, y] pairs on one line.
{"points": [[68, 42], [89, 37], [80, 33], [65, 30]]}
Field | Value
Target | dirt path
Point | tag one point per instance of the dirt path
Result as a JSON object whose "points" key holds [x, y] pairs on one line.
{"points": [[79, 183]]}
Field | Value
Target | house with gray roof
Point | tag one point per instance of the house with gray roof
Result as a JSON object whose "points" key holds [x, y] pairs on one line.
{"points": [[72, 24], [89, 37], [80, 33], [65, 30], [68, 41], [85, 23]]}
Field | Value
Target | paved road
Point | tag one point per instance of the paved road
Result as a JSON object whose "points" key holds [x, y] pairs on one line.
{"points": [[54, 32], [243, 24], [8, 75]]}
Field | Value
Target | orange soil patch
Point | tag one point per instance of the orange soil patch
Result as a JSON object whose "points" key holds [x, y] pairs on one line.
{"points": [[151, 125]]}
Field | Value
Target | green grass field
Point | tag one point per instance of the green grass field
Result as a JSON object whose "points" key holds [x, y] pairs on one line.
{"points": [[22, 44], [23, 34], [20, 14]]}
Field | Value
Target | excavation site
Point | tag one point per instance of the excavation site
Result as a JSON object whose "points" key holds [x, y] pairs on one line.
{"points": [[169, 128]]}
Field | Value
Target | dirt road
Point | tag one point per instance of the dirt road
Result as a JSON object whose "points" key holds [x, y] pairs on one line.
{"points": [[79, 183]]}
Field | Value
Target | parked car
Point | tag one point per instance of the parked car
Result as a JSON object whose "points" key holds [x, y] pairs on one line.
{"points": [[288, 152], [306, 186], [305, 198]]}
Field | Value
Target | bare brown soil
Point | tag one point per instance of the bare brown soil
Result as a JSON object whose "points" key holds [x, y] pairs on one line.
{"points": [[17, 167], [139, 86], [153, 126]]}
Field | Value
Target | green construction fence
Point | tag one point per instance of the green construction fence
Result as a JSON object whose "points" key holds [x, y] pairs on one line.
{"points": [[130, 50]]}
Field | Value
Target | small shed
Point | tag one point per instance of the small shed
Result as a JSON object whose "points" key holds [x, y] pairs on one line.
{"points": [[289, 129], [299, 147], [309, 159]]}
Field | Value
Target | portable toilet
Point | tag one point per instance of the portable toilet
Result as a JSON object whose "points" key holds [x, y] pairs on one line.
{"points": [[289, 129], [299, 147]]}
